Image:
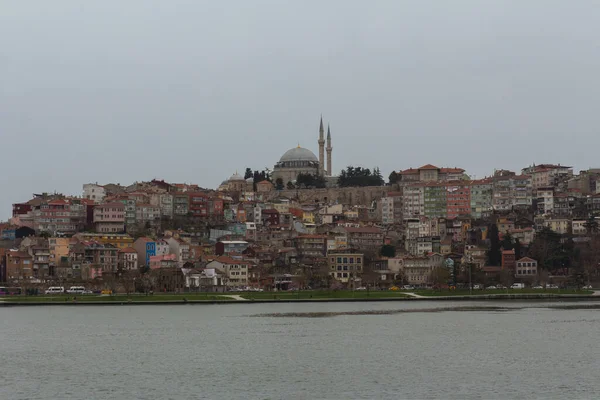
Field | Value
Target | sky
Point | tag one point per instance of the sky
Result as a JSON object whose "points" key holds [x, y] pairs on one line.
{"points": [[191, 91]]}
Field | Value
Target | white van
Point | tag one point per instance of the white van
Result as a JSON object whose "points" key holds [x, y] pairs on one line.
{"points": [[55, 290], [76, 290], [518, 286]]}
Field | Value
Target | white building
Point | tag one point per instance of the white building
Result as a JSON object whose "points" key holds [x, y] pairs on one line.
{"points": [[93, 191]]}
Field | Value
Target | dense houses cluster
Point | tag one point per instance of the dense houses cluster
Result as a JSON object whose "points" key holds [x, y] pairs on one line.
{"points": [[180, 237]]}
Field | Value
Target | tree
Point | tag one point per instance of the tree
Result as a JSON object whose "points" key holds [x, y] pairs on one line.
{"points": [[249, 173], [507, 242], [518, 248], [357, 176], [279, 184], [552, 252], [439, 276], [394, 177], [494, 255], [290, 186], [310, 180], [387, 250], [506, 277], [591, 225]]}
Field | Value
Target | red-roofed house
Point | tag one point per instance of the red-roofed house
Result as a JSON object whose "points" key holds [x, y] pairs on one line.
{"points": [[526, 267], [109, 217], [236, 269]]}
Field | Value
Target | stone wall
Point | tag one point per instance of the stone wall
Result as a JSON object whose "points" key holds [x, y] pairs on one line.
{"points": [[349, 195]]}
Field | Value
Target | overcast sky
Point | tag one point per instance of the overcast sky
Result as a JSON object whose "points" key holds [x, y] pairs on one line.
{"points": [[191, 91]]}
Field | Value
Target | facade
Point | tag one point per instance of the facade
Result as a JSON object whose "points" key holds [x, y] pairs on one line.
{"points": [[19, 266], [345, 265], [164, 201], [431, 173], [414, 200], [364, 238], [60, 216], [109, 217], [230, 246], [526, 267], [458, 199], [481, 198], [119, 240], [236, 270], [93, 191], [147, 214], [181, 204], [127, 259], [311, 245]]}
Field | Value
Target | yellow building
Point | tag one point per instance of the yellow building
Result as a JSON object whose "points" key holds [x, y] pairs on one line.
{"points": [[119, 240], [308, 217], [344, 265], [59, 247]]}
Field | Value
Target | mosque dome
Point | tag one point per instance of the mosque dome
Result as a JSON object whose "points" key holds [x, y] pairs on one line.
{"points": [[236, 177], [298, 154]]}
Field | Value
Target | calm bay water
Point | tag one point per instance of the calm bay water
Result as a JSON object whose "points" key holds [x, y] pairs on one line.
{"points": [[223, 352]]}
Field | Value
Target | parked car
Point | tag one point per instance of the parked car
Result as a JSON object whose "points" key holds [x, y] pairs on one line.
{"points": [[76, 290], [587, 287], [55, 290], [106, 291], [477, 287], [500, 287], [408, 287], [549, 286], [517, 286], [394, 288], [361, 288], [538, 287], [491, 287]]}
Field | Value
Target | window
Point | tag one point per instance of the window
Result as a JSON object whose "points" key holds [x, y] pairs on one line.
{"points": [[339, 259], [345, 268]]}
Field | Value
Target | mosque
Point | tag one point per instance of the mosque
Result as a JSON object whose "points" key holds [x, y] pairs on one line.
{"points": [[292, 163], [301, 160]]}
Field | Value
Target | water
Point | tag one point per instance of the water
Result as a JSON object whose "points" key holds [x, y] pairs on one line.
{"points": [[222, 352]]}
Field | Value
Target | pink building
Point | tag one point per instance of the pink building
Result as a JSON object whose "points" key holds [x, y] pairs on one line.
{"points": [[109, 217], [164, 261]]}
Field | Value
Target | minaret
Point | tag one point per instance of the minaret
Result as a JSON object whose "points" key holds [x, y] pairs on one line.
{"points": [[329, 148], [321, 148]]}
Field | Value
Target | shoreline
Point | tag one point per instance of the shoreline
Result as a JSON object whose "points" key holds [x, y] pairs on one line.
{"points": [[491, 297]]}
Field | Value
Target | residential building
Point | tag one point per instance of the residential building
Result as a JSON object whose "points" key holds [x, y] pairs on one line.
{"points": [[548, 175], [19, 266], [93, 191], [578, 226], [109, 217], [508, 259], [164, 201], [481, 198], [545, 200], [230, 247], [526, 267], [163, 261], [127, 259], [458, 199], [414, 200], [431, 173], [59, 216], [147, 215], [198, 204], [181, 203], [236, 270], [59, 248], [364, 238], [345, 265], [119, 240], [558, 225], [180, 248], [311, 245], [435, 200]]}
